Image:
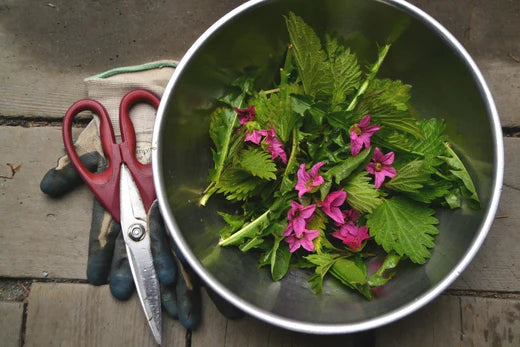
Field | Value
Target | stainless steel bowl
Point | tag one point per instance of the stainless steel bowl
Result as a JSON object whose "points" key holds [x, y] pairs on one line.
{"points": [[446, 84]]}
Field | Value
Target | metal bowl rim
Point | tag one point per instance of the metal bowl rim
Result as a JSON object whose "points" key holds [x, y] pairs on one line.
{"points": [[319, 328]]}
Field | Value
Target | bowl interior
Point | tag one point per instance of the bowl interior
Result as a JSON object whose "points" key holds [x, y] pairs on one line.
{"points": [[443, 87]]}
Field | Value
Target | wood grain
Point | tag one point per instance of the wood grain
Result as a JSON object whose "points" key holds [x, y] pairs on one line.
{"points": [[67, 314], [216, 330], [490, 322], [437, 324], [46, 51], [40, 236], [11, 314]]}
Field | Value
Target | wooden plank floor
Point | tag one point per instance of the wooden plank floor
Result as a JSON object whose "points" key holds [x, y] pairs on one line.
{"points": [[47, 48]]}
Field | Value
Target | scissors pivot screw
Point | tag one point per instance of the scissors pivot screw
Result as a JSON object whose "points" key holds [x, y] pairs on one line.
{"points": [[136, 232]]}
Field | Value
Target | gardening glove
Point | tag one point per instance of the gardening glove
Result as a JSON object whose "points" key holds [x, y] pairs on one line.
{"points": [[107, 258], [107, 261]]}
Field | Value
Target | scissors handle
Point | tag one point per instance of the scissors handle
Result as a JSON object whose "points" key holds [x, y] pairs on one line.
{"points": [[104, 185], [142, 173]]}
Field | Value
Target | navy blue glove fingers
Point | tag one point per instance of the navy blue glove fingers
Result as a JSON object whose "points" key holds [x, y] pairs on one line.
{"points": [[188, 300], [163, 260], [169, 300], [103, 233], [121, 279], [58, 182]]}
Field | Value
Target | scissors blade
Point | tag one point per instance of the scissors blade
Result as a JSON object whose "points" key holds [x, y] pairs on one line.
{"points": [[137, 240]]}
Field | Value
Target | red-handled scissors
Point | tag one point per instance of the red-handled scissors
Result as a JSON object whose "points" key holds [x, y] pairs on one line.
{"points": [[126, 190]]}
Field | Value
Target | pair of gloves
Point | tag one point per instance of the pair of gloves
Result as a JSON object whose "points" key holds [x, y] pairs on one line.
{"points": [[107, 258]]}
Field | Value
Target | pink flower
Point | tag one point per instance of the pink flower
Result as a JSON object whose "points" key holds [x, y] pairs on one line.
{"points": [[305, 240], [380, 166], [255, 136], [273, 145], [308, 181], [360, 134], [351, 235], [245, 115], [276, 149], [298, 217], [349, 216], [330, 205]]}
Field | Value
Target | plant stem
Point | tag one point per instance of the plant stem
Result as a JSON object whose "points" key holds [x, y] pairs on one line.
{"points": [[371, 75], [245, 230], [212, 188]]}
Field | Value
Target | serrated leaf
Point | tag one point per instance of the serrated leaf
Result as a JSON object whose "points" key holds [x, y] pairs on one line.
{"points": [[344, 70], [372, 72], [385, 96], [404, 227], [309, 56], [411, 178], [361, 194], [434, 137], [459, 170], [237, 184], [276, 109], [433, 190], [258, 163]]}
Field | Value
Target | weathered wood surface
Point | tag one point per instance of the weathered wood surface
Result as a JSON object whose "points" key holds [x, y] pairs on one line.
{"points": [[250, 332], [71, 314], [437, 324], [11, 314], [48, 48], [490, 322], [39, 235]]}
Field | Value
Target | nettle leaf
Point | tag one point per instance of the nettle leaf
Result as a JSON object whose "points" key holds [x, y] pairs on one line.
{"points": [[222, 121], [385, 96], [309, 56], [401, 121], [434, 190], [411, 178], [405, 227], [433, 139], [394, 140], [372, 72], [258, 163], [459, 170], [276, 109], [361, 194], [238, 185], [344, 70]]}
